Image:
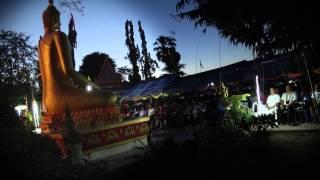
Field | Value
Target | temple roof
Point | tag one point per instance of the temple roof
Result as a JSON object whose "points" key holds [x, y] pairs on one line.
{"points": [[107, 76]]}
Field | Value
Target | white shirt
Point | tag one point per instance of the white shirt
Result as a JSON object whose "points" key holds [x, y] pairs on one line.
{"points": [[151, 112], [290, 97], [143, 113], [273, 100], [317, 95]]}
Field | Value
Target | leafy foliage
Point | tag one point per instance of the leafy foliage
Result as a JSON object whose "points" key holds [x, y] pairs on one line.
{"points": [[134, 53], [23, 151], [30, 155], [73, 5], [19, 65], [238, 111], [148, 64], [125, 72], [267, 28], [166, 52], [242, 117]]}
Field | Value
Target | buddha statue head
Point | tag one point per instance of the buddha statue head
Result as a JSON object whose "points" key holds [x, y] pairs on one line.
{"points": [[51, 18]]}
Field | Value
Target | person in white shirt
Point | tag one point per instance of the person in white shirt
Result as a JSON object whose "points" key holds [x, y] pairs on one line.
{"points": [[272, 101], [143, 112], [288, 97], [151, 111], [315, 108], [287, 100], [316, 94]]}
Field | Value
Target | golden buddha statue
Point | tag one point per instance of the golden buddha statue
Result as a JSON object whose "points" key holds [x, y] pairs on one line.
{"points": [[58, 77]]}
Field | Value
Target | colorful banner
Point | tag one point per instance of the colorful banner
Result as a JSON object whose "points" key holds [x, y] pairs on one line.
{"points": [[112, 135]]}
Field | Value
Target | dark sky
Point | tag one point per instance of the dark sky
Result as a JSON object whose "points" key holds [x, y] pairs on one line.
{"points": [[101, 28]]}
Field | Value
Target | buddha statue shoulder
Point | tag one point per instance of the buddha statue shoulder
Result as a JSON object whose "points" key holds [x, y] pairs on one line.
{"points": [[58, 77]]}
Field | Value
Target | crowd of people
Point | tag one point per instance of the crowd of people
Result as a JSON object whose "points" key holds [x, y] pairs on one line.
{"points": [[297, 103], [187, 110]]}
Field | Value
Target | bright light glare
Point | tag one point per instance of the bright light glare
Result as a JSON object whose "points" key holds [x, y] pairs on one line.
{"points": [[35, 111], [19, 108], [37, 131], [89, 88], [260, 105], [258, 89]]}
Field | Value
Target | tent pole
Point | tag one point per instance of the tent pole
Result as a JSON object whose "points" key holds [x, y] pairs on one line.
{"points": [[220, 79], [310, 83]]}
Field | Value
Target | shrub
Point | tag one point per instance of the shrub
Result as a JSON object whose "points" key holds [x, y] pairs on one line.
{"points": [[241, 116]]}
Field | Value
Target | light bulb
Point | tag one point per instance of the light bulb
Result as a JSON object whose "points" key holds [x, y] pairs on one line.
{"points": [[89, 88]]}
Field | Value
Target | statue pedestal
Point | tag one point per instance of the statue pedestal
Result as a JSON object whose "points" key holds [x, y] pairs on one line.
{"points": [[117, 148], [101, 141], [45, 124], [115, 138]]}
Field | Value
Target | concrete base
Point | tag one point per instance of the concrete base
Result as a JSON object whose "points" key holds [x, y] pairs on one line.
{"points": [[111, 150]]}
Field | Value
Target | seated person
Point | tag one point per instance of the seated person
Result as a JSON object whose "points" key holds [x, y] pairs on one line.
{"points": [[316, 94], [314, 109], [303, 105], [287, 100], [272, 102], [143, 112]]}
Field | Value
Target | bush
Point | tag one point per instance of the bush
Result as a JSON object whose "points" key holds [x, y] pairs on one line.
{"points": [[25, 153], [241, 117], [30, 155]]}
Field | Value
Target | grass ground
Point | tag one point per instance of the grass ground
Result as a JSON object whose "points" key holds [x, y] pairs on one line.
{"points": [[273, 155]]}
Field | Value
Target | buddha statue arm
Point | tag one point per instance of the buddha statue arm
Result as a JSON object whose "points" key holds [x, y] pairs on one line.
{"points": [[61, 42]]}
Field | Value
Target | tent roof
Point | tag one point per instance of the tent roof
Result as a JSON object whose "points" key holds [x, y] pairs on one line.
{"points": [[153, 87], [242, 71]]}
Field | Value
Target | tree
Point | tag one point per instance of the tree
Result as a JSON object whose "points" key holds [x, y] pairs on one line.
{"points": [[266, 28], [19, 65], [125, 72], [73, 5], [148, 64], [92, 63], [166, 53], [134, 53]]}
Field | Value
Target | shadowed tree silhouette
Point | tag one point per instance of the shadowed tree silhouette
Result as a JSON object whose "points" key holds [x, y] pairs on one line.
{"points": [[92, 63], [19, 65], [134, 53], [166, 52], [148, 64], [265, 27], [73, 5], [125, 72]]}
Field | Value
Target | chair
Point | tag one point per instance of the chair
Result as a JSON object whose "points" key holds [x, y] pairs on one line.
{"points": [[301, 112]]}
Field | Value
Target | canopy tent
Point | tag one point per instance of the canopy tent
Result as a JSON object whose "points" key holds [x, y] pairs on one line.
{"points": [[198, 82], [238, 72], [153, 88], [243, 72], [275, 69]]}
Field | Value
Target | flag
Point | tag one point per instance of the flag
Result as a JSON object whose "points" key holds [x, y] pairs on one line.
{"points": [[201, 65]]}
